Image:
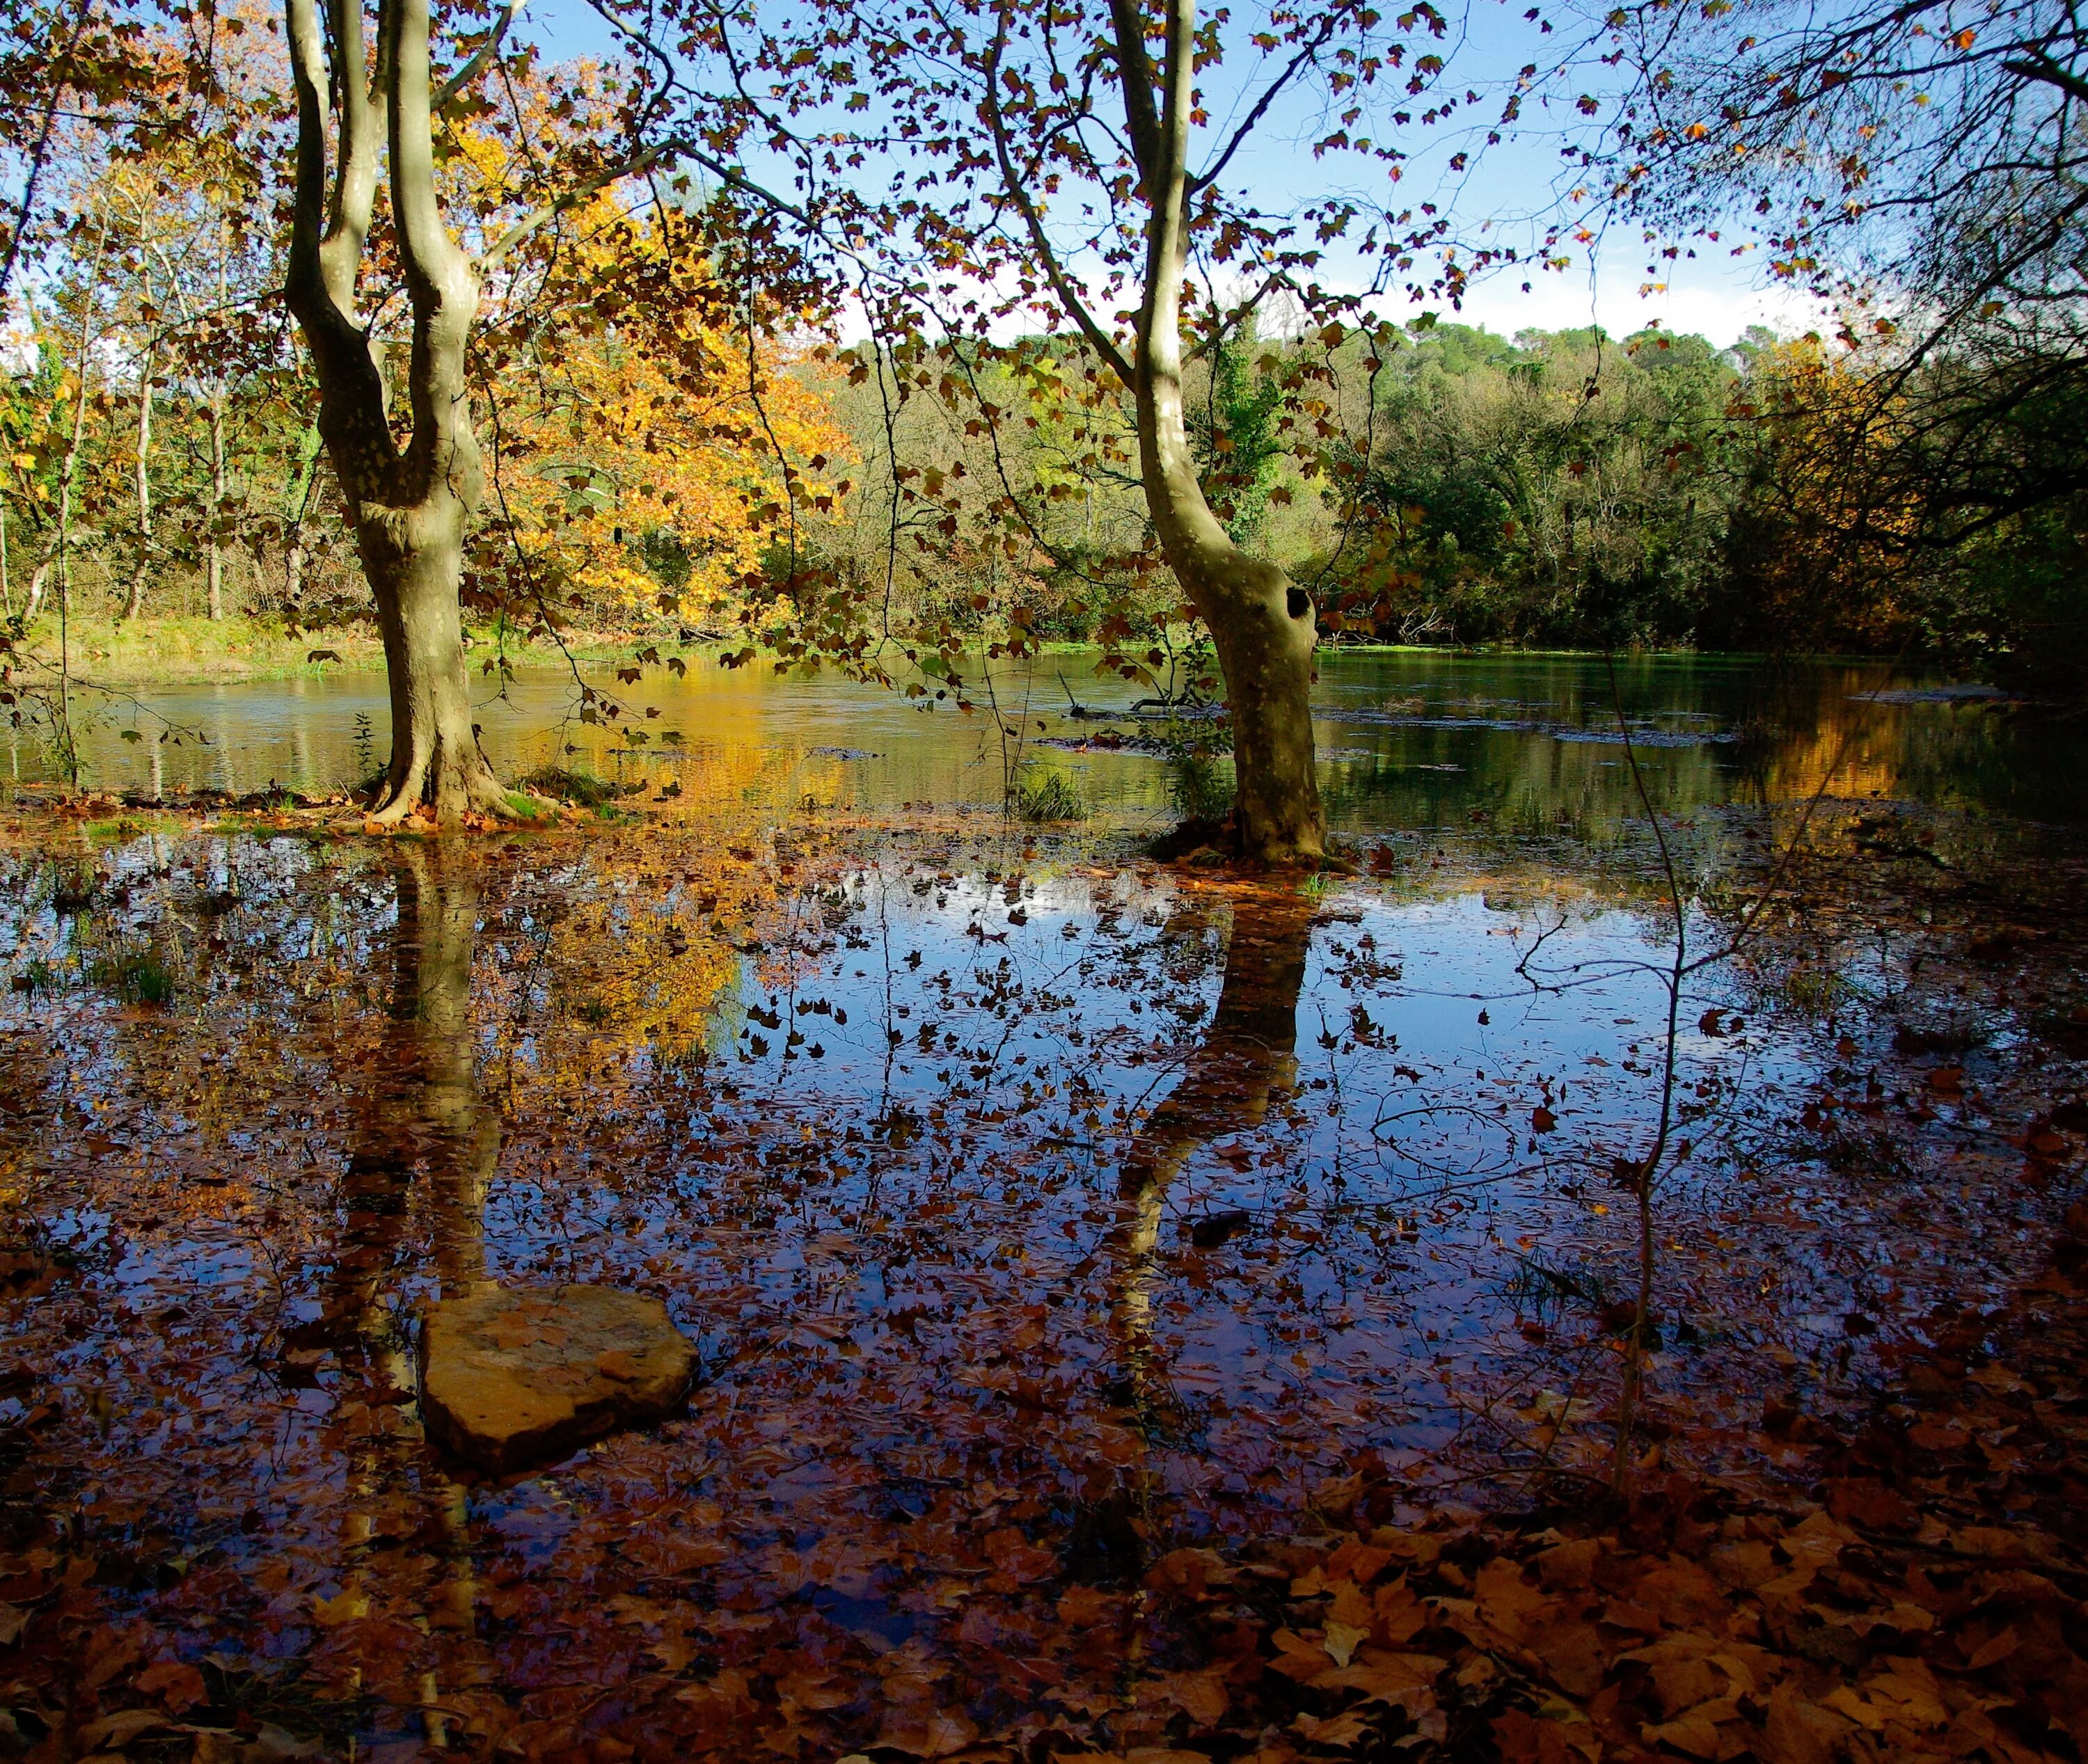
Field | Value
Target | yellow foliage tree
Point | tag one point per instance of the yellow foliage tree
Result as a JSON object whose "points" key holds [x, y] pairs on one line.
{"points": [[647, 439]]}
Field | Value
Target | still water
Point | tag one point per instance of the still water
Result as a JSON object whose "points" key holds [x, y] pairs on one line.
{"points": [[1035, 1210], [1406, 738]]}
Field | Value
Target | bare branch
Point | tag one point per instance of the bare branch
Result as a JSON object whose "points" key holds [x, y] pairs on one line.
{"points": [[1304, 58], [2042, 68]]}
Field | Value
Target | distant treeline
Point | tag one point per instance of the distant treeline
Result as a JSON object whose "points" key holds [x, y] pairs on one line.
{"points": [[1563, 489]]}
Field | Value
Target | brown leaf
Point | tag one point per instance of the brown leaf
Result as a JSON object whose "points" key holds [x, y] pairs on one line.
{"points": [[1202, 1696], [175, 1683], [935, 1733], [1691, 1734], [1569, 1565], [1796, 1731], [1342, 1641]]}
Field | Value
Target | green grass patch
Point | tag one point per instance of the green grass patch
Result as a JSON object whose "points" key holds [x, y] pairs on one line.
{"points": [[1049, 796], [136, 975]]}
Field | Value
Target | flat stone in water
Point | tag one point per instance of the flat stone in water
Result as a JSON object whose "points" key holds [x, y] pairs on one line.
{"points": [[515, 1376]]}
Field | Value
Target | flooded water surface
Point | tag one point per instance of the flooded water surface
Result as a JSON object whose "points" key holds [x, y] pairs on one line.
{"points": [[1036, 1211], [1406, 738]]}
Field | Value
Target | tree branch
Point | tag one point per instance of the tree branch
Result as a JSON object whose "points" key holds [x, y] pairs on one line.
{"points": [[362, 132], [1062, 285], [1204, 180], [1135, 72], [2038, 65], [464, 76], [636, 165]]}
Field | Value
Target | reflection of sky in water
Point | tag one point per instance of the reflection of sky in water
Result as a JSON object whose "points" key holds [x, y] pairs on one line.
{"points": [[1407, 739], [980, 1067]]}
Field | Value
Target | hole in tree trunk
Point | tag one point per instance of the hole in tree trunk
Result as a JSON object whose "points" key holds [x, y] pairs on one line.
{"points": [[1301, 603]]}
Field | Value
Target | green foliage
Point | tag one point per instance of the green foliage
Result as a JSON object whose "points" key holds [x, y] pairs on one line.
{"points": [[1560, 489], [1237, 435], [579, 787], [1199, 784]]}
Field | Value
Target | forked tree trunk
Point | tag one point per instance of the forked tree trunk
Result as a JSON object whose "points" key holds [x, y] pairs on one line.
{"points": [[1261, 623], [409, 505]]}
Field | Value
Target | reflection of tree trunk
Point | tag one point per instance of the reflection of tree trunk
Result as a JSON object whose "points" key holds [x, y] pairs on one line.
{"points": [[426, 1112], [427, 1109], [1246, 1061]]}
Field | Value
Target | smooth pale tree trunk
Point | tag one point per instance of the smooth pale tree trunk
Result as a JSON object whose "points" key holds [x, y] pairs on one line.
{"points": [[135, 603], [61, 539], [215, 590], [1261, 623], [61, 533], [409, 505]]}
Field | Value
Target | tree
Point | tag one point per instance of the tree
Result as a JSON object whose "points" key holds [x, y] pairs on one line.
{"points": [[1923, 163], [1044, 159], [409, 505]]}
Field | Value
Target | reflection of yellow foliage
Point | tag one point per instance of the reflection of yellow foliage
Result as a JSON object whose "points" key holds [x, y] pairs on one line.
{"points": [[649, 966], [1828, 758]]}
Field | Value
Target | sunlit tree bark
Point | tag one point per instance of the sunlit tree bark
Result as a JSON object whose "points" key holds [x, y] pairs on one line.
{"points": [[409, 505], [1261, 623]]}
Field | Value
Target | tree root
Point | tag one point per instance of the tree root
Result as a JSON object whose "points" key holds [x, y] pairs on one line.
{"points": [[458, 793], [1206, 844]]}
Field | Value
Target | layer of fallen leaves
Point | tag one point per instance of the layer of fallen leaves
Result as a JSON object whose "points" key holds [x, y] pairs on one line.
{"points": [[1928, 1605]]}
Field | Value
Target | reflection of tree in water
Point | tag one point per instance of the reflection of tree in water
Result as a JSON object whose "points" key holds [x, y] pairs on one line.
{"points": [[1245, 1062], [422, 1115], [423, 1108]]}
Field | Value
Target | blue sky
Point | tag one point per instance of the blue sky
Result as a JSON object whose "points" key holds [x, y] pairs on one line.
{"points": [[1717, 294]]}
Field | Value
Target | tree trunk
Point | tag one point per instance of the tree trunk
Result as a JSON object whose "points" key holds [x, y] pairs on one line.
{"points": [[135, 603], [55, 548], [216, 553], [414, 560], [409, 505], [1261, 623]]}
